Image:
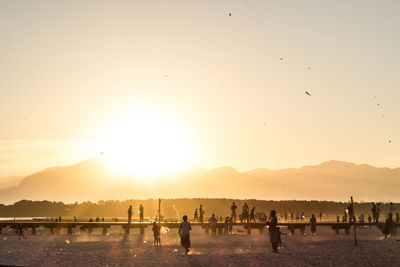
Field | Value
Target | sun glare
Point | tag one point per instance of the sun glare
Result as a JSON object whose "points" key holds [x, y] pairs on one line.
{"points": [[146, 144]]}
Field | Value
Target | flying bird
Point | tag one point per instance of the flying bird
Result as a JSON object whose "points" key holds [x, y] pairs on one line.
{"points": [[307, 93], [230, 14], [281, 58]]}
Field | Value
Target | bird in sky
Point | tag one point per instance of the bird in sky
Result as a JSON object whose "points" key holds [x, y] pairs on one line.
{"points": [[307, 93]]}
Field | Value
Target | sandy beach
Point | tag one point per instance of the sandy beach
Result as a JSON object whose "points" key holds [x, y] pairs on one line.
{"points": [[115, 249]]}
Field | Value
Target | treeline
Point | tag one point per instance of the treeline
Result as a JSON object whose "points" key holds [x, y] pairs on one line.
{"points": [[176, 208]]}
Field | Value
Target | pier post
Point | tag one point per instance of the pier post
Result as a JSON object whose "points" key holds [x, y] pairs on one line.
{"points": [[69, 230], [104, 230], [51, 230], [33, 230], [347, 230], [142, 230]]}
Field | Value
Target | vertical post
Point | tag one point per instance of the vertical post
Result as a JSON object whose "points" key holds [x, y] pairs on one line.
{"points": [[354, 223]]}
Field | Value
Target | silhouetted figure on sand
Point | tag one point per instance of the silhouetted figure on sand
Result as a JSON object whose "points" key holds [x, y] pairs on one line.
{"points": [[274, 234], [20, 231], [233, 213], [201, 213], [252, 214], [156, 233], [130, 214], [387, 227], [313, 223], [184, 233], [226, 226], [141, 212], [196, 216], [213, 224], [369, 220]]}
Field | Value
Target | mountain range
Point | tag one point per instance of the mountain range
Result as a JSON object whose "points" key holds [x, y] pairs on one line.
{"points": [[90, 180]]}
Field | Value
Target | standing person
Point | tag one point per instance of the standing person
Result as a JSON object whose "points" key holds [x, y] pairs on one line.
{"points": [[313, 223], [196, 216], [252, 214], [302, 216], [291, 216], [320, 216], [233, 214], [373, 210], [378, 211], [130, 214], [369, 220], [156, 233], [390, 212], [201, 213], [213, 224], [141, 212], [273, 231], [226, 226], [245, 212], [184, 233]]}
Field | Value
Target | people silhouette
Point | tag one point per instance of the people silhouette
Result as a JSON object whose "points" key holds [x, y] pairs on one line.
{"points": [[141, 212], [130, 214], [273, 231], [213, 224], [196, 216], [233, 213], [184, 233], [156, 233], [313, 223]]}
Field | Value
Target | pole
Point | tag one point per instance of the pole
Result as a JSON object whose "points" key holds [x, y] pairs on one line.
{"points": [[353, 219]]}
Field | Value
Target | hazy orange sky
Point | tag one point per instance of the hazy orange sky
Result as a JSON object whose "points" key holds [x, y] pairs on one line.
{"points": [[183, 84]]}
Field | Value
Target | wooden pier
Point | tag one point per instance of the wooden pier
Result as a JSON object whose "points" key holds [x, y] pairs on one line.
{"points": [[87, 227]]}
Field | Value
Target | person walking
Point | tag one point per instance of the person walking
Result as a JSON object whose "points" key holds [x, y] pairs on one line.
{"points": [[196, 216], [313, 223], [273, 231], [213, 224], [184, 233]]}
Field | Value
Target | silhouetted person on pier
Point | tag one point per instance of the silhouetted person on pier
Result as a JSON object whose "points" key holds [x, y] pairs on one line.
{"points": [[245, 212], [373, 210], [196, 216], [213, 224], [141, 212], [97, 219], [102, 219], [201, 213], [313, 223], [273, 231], [156, 233], [91, 220], [59, 218], [291, 216], [390, 212], [337, 219], [252, 214], [130, 214], [320, 216], [233, 213], [75, 219], [302, 217], [378, 212], [284, 215], [184, 233]]}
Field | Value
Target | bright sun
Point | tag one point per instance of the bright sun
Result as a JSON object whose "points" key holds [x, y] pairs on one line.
{"points": [[145, 143]]}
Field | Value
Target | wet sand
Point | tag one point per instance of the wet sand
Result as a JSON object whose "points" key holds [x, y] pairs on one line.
{"points": [[115, 249]]}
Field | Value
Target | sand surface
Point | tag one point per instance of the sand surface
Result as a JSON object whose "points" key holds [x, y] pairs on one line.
{"points": [[115, 249]]}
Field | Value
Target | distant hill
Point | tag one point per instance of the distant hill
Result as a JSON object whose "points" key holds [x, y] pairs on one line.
{"points": [[331, 180]]}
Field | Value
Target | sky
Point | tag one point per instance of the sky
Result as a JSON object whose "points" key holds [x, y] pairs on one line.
{"points": [[198, 83]]}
